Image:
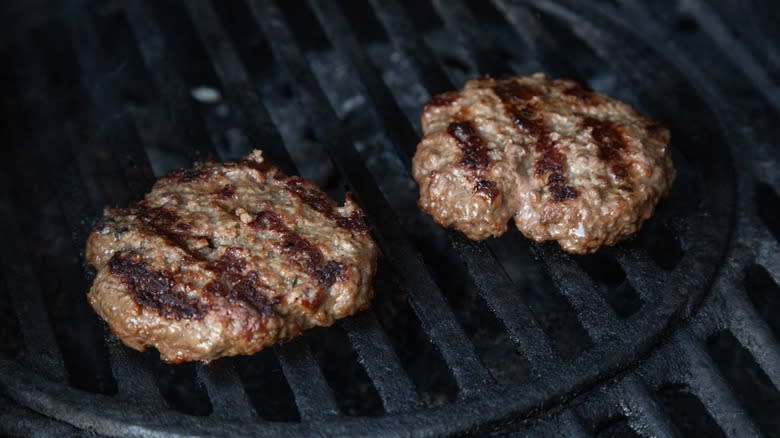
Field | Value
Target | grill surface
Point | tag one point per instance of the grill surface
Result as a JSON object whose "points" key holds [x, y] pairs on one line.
{"points": [[463, 336]]}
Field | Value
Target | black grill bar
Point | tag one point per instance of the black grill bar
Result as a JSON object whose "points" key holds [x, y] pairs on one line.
{"points": [[390, 116], [381, 363], [565, 424], [406, 39], [122, 139], [134, 380], [493, 282], [734, 49], [527, 28], [229, 401], [753, 333], [436, 317], [643, 274], [479, 44], [593, 312], [313, 396], [25, 294], [501, 296], [768, 247], [713, 391], [67, 186], [236, 82], [194, 143], [40, 346], [642, 410]]}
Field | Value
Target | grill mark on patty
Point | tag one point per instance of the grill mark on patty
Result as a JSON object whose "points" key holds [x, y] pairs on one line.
{"points": [[301, 251], [472, 145], [474, 156], [321, 203], [516, 99], [162, 222], [154, 289], [610, 141], [233, 284]]}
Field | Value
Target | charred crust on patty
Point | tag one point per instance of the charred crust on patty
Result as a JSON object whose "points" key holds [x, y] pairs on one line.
{"points": [[299, 250], [320, 202], [475, 151], [609, 139], [154, 289], [444, 99]]}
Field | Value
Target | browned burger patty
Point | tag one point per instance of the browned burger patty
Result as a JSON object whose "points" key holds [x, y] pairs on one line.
{"points": [[567, 164], [228, 258]]}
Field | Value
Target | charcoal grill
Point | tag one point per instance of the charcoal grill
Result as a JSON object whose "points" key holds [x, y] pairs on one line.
{"points": [[673, 332]]}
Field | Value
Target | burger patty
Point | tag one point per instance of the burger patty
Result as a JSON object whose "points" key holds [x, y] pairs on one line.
{"points": [[567, 164], [226, 259]]}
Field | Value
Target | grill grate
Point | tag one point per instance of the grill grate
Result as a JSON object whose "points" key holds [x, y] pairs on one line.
{"points": [[102, 90]]}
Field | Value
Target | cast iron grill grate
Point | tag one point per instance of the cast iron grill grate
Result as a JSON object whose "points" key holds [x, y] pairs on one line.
{"points": [[463, 336]]}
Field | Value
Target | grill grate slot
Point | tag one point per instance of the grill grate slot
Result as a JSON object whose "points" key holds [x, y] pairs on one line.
{"points": [[611, 280], [501, 296], [191, 141], [96, 70], [313, 396], [642, 410], [750, 384], [740, 56], [564, 424], [266, 387], [593, 312], [390, 116], [354, 391], [437, 319], [688, 414], [767, 202], [764, 293], [405, 38], [61, 204], [423, 363], [711, 389], [562, 334], [10, 339], [252, 114], [381, 363], [24, 294], [178, 384], [135, 382], [480, 45], [614, 427], [229, 401]]}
